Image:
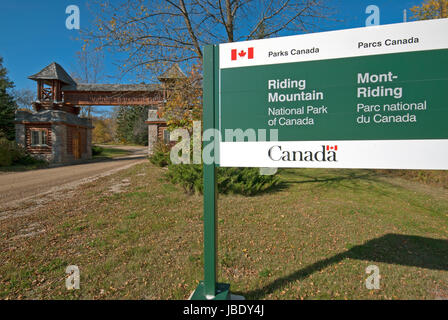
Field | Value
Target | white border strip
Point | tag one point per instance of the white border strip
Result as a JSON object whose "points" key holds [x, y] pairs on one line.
{"points": [[431, 34], [429, 154]]}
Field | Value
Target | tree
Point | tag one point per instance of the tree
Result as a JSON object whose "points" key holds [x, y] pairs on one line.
{"points": [[89, 69], [8, 106], [104, 129], [131, 126], [261, 32], [430, 9], [24, 98], [152, 34], [123, 124], [184, 101]]}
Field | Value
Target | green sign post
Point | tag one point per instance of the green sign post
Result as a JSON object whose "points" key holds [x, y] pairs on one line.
{"points": [[209, 288]]}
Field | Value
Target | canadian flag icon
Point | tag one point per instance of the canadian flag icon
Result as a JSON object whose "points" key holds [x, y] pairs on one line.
{"points": [[242, 54], [335, 148]]}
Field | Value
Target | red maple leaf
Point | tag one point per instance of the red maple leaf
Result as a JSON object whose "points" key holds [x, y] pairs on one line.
{"points": [[242, 53]]}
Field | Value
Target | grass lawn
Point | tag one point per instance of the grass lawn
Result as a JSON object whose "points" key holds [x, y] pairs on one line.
{"points": [[311, 239], [111, 153]]}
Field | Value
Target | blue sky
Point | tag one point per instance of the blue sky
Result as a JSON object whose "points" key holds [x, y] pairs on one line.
{"points": [[33, 33]]}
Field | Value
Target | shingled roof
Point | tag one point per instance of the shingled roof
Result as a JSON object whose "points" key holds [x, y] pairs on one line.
{"points": [[174, 72], [53, 72]]}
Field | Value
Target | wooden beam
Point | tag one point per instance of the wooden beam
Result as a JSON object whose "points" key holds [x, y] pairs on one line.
{"points": [[39, 89], [125, 98]]}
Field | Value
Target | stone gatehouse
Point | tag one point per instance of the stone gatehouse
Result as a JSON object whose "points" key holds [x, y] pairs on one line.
{"points": [[56, 133]]}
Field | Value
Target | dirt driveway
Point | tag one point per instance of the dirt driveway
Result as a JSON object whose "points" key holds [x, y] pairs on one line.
{"points": [[16, 187]]}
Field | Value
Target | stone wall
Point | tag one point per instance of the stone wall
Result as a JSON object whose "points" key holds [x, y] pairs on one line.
{"points": [[20, 134], [60, 141], [155, 123], [152, 138]]}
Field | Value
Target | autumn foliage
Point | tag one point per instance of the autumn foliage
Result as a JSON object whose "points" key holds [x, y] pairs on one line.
{"points": [[104, 130], [184, 100], [430, 9]]}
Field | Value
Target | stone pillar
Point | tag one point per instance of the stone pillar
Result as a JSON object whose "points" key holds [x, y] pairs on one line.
{"points": [[59, 143], [152, 138], [153, 120], [20, 134]]}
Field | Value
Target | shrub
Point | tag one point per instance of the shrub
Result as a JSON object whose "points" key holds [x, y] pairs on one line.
{"points": [[187, 176], [97, 150], [12, 154], [161, 155], [5, 155], [245, 181], [160, 159]]}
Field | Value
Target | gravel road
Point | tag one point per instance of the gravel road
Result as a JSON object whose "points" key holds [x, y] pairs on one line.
{"points": [[19, 186]]}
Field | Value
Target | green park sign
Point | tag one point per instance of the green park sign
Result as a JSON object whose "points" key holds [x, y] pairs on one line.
{"points": [[374, 97]]}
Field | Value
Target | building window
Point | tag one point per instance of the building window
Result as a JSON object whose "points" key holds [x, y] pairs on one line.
{"points": [[38, 137], [166, 136]]}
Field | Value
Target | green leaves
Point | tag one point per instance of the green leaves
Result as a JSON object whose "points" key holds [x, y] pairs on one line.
{"points": [[131, 127], [12, 154], [8, 106], [245, 181], [160, 159], [161, 155]]}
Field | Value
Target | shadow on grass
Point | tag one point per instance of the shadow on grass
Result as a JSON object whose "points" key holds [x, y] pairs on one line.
{"points": [[397, 249], [289, 177], [303, 177]]}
